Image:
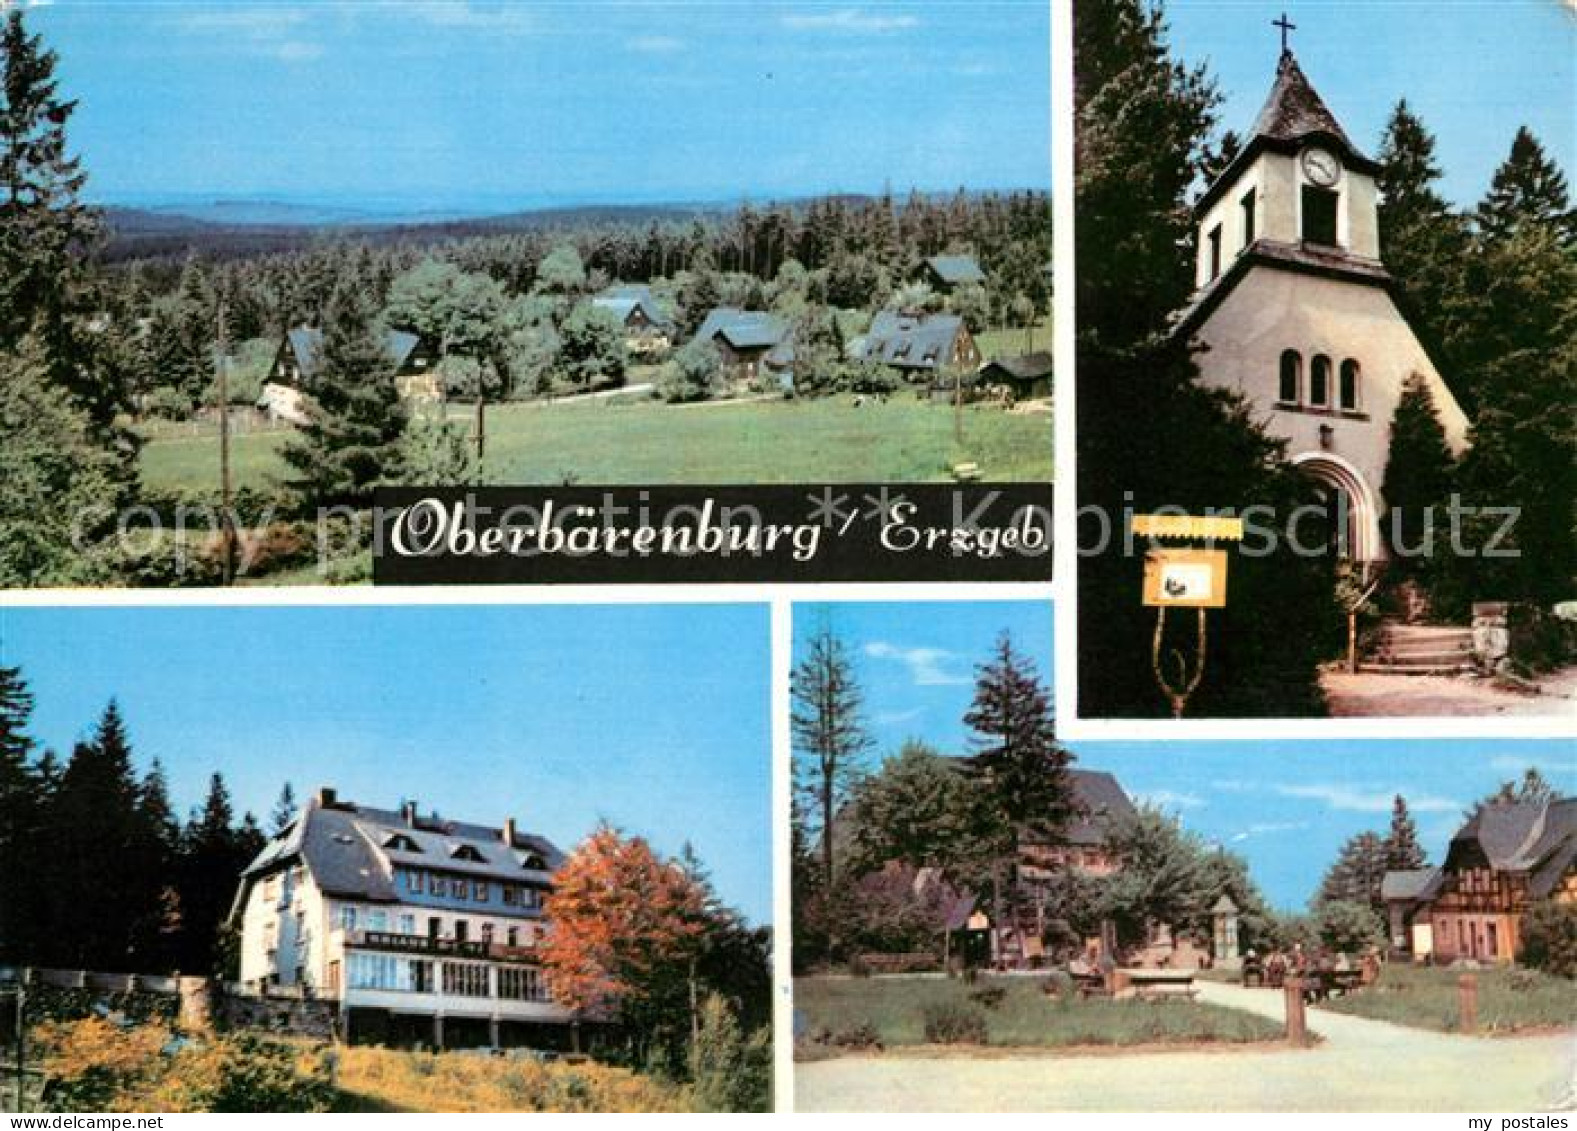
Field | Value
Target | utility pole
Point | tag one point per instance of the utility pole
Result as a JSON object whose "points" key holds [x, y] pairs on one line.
{"points": [[226, 516]]}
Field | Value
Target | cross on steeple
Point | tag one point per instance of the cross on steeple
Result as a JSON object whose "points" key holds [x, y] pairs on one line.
{"points": [[1286, 26]]}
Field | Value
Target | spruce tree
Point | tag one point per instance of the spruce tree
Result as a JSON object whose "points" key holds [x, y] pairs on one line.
{"points": [[284, 811], [1402, 850], [1529, 187], [831, 743], [1357, 873], [351, 441], [18, 816]]}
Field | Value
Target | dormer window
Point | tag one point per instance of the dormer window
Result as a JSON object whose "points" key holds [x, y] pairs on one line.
{"points": [[466, 852], [534, 862], [399, 842]]}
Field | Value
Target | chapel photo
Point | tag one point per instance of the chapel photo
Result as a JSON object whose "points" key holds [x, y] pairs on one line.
{"points": [[1326, 300]]}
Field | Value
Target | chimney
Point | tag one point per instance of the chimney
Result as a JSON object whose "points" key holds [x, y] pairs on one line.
{"points": [[509, 832], [327, 798], [408, 811]]}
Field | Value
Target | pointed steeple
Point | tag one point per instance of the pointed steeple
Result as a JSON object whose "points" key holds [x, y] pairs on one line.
{"points": [[1294, 110]]}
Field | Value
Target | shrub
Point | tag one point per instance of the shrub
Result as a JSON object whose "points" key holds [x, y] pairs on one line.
{"points": [[862, 1035], [731, 1072], [1549, 938], [953, 1023], [692, 374], [989, 996], [167, 403]]}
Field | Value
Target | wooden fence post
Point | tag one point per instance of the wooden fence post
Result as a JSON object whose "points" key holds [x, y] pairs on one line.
{"points": [[1467, 1002]]}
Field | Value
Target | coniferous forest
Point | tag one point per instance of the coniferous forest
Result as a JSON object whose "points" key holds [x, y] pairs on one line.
{"points": [[1491, 287]]}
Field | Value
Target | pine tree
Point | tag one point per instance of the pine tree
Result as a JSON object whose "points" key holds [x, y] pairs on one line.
{"points": [[1357, 874], [284, 811], [351, 441], [830, 740], [1528, 187], [44, 227], [1420, 473], [1402, 850]]}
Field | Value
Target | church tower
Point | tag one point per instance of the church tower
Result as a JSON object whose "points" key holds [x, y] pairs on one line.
{"points": [[1294, 306]]}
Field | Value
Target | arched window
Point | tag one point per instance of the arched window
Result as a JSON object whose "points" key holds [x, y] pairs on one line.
{"points": [[1291, 377], [1348, 391], [1320, 382]]}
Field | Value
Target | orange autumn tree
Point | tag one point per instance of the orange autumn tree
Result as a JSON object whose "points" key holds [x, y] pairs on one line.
{"points": [[626, 930]]}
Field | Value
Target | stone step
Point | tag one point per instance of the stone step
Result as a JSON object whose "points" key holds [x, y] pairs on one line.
{"points": [[1426, 631], [1412, 667], [1406, 648]]}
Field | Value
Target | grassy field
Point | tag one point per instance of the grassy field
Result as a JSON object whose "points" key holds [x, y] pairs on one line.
{"points": [[1025, 1017], [903, 440], [1426, 997], [373, 1079]]}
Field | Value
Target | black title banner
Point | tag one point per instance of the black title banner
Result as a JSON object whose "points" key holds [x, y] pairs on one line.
{"points": [[627, 535]]}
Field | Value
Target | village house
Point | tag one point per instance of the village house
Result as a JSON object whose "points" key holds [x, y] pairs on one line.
{"points": [[946, 273], [1295, 309], [646, 329], [752, 343], [420, 928], [934, 348], [1023, 378], [1508, 855], [296, 364]]}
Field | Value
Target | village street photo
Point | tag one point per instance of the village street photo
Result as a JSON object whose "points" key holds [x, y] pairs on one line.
{"points": [[985, 919], [470, 858], [258, 260], [1326, 284]]}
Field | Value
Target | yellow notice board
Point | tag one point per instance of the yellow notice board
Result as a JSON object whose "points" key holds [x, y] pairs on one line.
{"points": [[1198, 528], [1185, 578]]}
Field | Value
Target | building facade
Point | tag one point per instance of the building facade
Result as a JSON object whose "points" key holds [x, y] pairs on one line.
{"points": [[1295, 309], [420, 928], [297, 360], [1507, 856]]}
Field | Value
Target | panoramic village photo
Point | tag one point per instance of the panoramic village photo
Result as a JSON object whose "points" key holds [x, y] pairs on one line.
{"points": [[512, 858], [1327, 275], [257, 260], [985, 919]]}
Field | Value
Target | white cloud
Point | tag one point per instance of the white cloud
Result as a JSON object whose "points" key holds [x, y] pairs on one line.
{"points": [[1358, 800], [464, 14], [252, 22], [1517, 763], [851, 20], [896, 718], [929, 667], [1165, 797], [656, 44], [298, 51], [1268, 828]]}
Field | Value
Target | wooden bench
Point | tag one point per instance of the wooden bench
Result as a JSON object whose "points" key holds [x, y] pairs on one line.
{"points": [[1321, 985], [1159, 985], [1089, 983], [966, 472]]}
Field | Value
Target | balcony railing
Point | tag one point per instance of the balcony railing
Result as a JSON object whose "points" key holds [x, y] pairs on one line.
{"points": [[441, 947]]}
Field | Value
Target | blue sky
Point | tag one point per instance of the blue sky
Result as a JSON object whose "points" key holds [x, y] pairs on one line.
{"points": [[1285, 806], [1474, 70], [509, 104], [655, 718]]}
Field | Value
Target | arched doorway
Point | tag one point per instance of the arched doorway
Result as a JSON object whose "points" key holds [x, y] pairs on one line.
{"points": [[1349, 501]]}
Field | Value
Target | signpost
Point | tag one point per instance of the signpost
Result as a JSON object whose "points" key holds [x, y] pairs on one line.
{"points": [[1184, 578]]}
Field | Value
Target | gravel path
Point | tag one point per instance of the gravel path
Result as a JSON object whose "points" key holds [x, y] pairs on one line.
{"points": [[1361, 1065], [1369, 694]]}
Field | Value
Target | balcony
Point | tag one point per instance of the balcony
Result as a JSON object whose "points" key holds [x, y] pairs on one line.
{"points": [[438, 947]]}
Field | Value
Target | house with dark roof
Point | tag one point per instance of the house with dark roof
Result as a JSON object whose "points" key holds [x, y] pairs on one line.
{"points": [[420, 928], [930, 347], [1507, 856], [298, 360], [646, 328], [752, 343], [946, 273], [1084, 846], [1023, 378]]}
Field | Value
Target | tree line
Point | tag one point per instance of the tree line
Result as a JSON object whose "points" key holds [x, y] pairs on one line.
{"points": [[100, 872], [1494, 291]]}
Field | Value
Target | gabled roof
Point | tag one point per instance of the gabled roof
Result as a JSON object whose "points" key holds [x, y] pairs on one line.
{"points": [[624, 298], [1293, 115], [910, 341], [743, 329], [1538, 838], [1555, 852], [956, 270], [306, 345], [1102, 803], [352, 850]]}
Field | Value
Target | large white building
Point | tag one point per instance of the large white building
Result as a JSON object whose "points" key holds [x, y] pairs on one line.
{"points": [[1296, 309], [421, 929]]}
